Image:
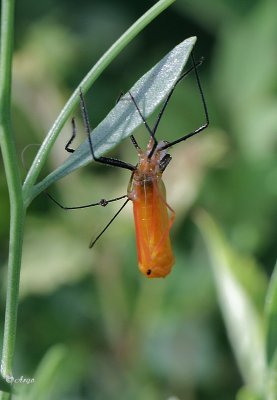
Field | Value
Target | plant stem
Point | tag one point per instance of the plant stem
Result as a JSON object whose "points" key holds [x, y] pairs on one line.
{"points": [[17, 211], [17, 216], [86, 83]]}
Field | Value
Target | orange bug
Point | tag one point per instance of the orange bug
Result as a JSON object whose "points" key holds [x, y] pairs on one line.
{"points": [[147, 192], [146, 189]]}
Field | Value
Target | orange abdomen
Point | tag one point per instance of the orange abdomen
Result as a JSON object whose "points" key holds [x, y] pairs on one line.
{"points": [[152, 224]]}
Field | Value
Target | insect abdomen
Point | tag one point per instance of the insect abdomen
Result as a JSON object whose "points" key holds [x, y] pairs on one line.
{"points": [[152, 223]]}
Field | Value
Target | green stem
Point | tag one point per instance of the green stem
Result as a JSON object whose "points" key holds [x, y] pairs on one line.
{"points": [[17, 212], [16, 238], [86, 83]]}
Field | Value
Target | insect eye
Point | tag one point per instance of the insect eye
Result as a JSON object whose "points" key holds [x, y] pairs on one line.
{"points": [[148, 272]]}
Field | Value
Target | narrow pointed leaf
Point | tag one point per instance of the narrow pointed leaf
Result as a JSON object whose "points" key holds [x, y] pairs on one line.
{"points": [[271, 317], [272, 379], [123, 119], [47, 375], [243, 322]]}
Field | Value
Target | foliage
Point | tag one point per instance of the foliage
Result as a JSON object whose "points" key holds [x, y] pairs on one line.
{"points": [[125, 337]]}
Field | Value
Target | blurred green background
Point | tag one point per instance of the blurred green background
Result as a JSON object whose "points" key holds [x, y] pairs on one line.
{"points": [[126, 337]]}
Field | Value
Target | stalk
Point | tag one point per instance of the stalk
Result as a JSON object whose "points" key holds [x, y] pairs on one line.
{"points": [[17, 211]]}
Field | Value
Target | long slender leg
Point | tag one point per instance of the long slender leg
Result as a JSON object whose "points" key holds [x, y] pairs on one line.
{"points": [[104, 160], [135, 143], [202, 127], [67, 148], [102, 202], [110, 161], [144, 120], [171, 92], [133, 140], [92, 243], [153, 131]]}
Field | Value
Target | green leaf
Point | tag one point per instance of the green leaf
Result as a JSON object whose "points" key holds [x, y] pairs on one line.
{"points": [[272, 379], [271, 317], [123, 119], [47, 375], [243, 322]]}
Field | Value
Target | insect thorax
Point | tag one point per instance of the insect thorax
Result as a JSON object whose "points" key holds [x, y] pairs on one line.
{"points": [[148, 172]]}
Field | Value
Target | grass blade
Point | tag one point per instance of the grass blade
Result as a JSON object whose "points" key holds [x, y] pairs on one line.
{"points": [[243, 322], [271, 317]]}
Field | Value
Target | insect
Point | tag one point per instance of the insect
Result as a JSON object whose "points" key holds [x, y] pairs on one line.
{"points": [[152, 215]]}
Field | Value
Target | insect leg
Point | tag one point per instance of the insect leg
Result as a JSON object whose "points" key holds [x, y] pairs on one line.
{"points": [[205, 109], [102, 202], [104, 160], [92, 243], [171, 92], [133, 140], [144, 120], [67, 148]]}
